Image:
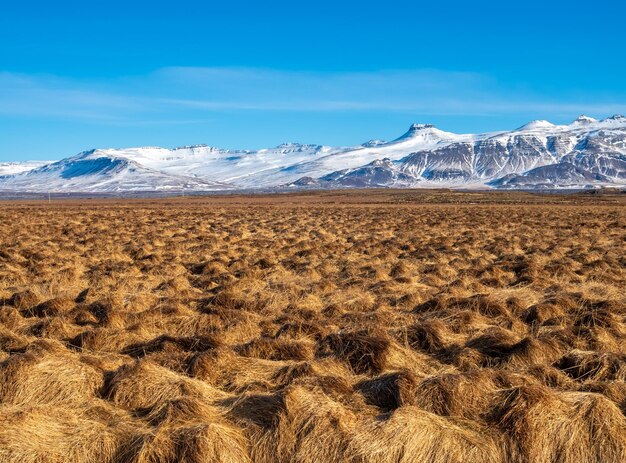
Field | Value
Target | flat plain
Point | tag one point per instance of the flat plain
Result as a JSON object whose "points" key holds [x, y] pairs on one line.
{"points": [[380, 326]]}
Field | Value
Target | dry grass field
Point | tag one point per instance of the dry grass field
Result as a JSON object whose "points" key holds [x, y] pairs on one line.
{"points": [[341, 327]]}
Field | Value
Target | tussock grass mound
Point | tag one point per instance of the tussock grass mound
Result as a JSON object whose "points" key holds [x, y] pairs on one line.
{"points": [[411, 434], [391, 390], [566, 427], [143, 384], [53, 434], [47, 373], [189, 430], [277, 349], [586, 365], [364, 352]]}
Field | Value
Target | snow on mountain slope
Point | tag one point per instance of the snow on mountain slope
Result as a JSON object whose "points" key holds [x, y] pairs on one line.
{"points": [[11, 168], [538, 125], [418, 137], [587, 152], [95, 171], [215, 164], [561, 175], [376, 173]]}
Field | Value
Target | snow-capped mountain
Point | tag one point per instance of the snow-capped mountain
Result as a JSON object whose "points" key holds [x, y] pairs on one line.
{"points": [[585, 153], [96, 171]]}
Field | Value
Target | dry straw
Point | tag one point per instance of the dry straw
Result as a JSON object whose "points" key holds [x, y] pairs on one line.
{"points": [[299, 330]]}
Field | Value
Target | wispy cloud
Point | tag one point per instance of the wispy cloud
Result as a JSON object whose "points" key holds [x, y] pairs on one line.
{"points": [[50, 96], [188, 95]]}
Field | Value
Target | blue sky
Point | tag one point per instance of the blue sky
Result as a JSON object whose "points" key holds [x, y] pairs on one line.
{"points": [[77, 75]]}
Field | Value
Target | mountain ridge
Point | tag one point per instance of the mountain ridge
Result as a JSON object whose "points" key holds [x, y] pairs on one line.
{"points": [[587, 153]]}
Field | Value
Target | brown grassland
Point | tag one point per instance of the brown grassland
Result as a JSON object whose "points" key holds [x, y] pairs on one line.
{"points": [[359, 327]]}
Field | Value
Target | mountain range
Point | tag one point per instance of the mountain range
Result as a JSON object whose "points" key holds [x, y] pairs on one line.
{"points": [[586, 153]]}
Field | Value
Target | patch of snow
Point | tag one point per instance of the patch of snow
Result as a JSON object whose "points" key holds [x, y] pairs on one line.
{"points": [[11, 168]]}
